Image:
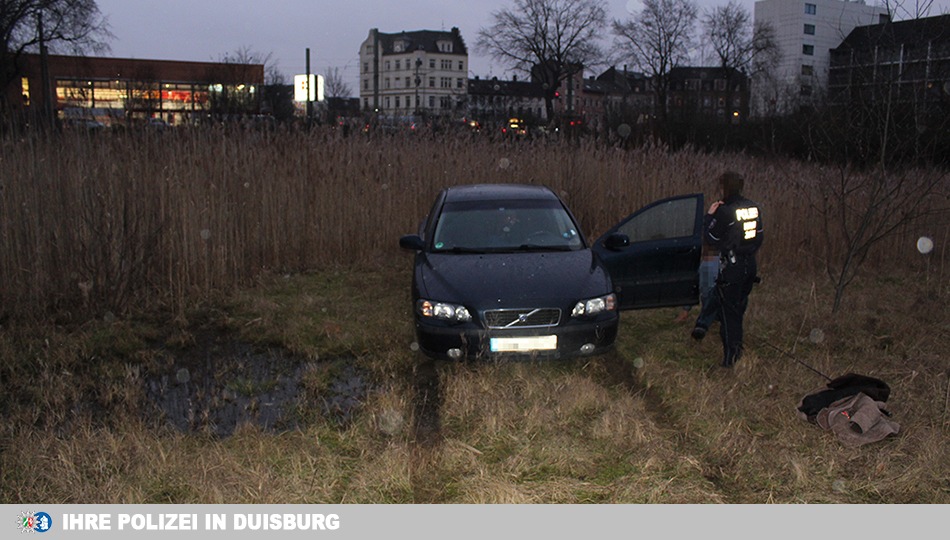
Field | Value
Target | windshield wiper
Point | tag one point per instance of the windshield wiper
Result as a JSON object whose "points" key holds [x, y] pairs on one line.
{"points": [[538, 247], [458, 249]]}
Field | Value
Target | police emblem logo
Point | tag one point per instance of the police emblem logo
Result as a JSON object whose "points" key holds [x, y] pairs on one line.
{"points": [[34, 522]]}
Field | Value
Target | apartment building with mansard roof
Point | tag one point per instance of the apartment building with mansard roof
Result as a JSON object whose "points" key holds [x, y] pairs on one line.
{"points": [[418, 72]]}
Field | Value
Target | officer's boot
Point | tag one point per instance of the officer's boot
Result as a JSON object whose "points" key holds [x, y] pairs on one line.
{"points": [[731, 355]]}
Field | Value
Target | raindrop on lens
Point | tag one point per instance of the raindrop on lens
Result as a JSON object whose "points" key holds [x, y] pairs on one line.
{"points": [[206, 234], [413, 346], [624, 130], [925, 244], [183, 376], [839, 486], [504, 163], [638, 362], [816, 336]]}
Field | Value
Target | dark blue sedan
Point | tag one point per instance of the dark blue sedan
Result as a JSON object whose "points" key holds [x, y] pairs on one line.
{"points": [[504, 269]]}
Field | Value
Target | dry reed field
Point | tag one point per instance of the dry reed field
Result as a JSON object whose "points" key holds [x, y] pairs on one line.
{"points": [[158, 293]]}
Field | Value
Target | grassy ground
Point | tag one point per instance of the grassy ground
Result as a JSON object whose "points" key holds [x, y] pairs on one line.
{"points": [[654, 422]]}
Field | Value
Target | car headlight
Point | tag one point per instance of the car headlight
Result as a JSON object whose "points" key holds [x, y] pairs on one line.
{"points": [[443, 311], [594, 306]]}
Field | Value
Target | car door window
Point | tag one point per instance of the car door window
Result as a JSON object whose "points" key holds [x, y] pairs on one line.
{"points": [[670, 219]]}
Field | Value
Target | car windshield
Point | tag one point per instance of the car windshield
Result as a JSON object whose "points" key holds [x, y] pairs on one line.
{"points": [[505, 226]]}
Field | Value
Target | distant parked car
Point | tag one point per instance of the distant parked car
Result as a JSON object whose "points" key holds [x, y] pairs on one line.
{"points": [[84, 124], [515, 127], [504, 269], [156, 124]]}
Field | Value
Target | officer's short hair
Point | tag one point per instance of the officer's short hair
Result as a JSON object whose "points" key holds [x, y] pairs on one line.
{"points": [[731, 183]]}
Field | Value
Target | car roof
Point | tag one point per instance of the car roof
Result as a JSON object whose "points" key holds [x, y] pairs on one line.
{"points": [[482, 192]]}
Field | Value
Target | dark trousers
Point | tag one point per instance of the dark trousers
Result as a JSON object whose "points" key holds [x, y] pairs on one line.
{"points": [[733, 287]]}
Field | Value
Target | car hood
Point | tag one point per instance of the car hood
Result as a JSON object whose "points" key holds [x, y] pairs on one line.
{"points": [[512, 280]]}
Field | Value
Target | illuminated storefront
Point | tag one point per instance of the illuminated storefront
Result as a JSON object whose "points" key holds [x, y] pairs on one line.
{"points": [[114, 91]]}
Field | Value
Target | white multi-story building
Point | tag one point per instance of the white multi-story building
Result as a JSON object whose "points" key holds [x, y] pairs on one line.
{"points": [[805, 31], [415, 72]]}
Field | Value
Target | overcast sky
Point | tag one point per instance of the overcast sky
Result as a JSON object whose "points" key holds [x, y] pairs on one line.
{"points": [[206, 30]]}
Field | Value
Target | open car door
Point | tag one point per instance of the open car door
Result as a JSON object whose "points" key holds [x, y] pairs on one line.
{"points": [[653, 255]]}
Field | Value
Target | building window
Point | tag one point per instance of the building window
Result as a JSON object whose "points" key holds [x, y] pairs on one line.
{"points": [[808, 50], [445, 82], [432, 63], [398, 65], [720, 85], [386, 83], [461, 65], [408, 82], [431, 102], [431, 82], [397, 102], [365, 68], [807, 70], [386, 65], [460, 83], [387, 102], [446, 64], [810, 29], [811, 9], [365, 84]]}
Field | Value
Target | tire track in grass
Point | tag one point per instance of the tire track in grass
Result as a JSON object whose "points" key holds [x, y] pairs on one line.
{"points": [[618, 371]]}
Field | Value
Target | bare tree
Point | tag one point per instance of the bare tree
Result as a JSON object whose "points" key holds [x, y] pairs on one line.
{"points": [[547, 39], [908, 9], [235, 94], [739, 44], [74, 26], [334, 86], [886, 131], [656, 40]]}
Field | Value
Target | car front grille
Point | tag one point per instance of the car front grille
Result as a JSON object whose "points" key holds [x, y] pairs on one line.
{"points": [[522, 318]]}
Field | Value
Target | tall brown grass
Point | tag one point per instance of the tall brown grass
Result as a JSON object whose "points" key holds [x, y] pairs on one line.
{"points": [[104, 223]]}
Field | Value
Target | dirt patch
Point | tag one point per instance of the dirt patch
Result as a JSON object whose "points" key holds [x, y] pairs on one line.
{"points": [[219, 383]]}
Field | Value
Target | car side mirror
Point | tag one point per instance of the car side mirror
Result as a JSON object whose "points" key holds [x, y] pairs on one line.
{"points": [[413, 242], [617, 241]]}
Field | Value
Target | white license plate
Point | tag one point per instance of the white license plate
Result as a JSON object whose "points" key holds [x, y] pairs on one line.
{"points": [[523, 344]]}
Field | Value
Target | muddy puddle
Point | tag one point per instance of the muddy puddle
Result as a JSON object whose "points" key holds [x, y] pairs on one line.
{"points": [[218, 384]]}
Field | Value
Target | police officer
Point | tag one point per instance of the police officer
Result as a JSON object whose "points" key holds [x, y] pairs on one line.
{"points": [[733, 225]]}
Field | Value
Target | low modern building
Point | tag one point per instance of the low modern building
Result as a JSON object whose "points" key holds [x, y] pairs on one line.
{"points": [[412, 73], [906, 61], [116, 90]]}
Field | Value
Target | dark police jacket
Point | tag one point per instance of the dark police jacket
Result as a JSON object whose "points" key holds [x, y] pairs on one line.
{"points": [[735, 229]]}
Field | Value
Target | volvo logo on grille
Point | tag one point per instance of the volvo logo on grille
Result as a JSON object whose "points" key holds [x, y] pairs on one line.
{"points": [[523, 318]]}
